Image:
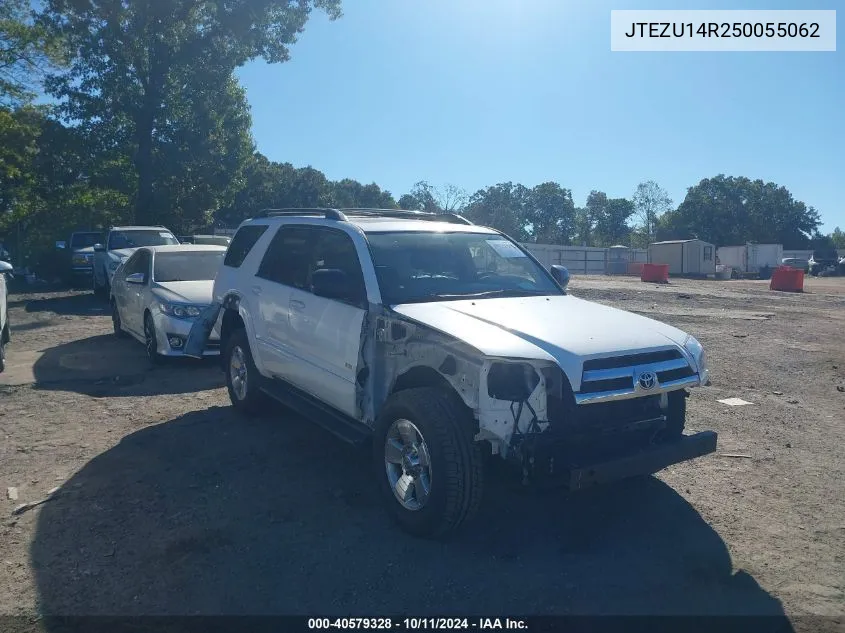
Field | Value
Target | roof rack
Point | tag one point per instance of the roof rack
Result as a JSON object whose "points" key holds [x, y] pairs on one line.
{"points": [[329, 214], [341, 214], [452, 218]]}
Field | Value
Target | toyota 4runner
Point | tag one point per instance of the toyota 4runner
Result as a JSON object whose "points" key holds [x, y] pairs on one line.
{"points": [[440, 341]]}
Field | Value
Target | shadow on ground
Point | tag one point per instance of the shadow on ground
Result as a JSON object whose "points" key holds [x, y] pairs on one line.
{"points": [[107, 366], [83, 304], [211, 513]]}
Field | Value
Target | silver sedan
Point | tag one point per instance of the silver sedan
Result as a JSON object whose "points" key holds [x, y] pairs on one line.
{"points": [[159, 291]]}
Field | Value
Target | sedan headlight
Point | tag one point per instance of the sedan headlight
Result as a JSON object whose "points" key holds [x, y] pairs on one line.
{"points": [[180, 311], [695, 350]]}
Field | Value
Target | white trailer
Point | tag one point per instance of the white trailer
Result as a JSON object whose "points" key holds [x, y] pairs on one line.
{"points": [[750, 258]]}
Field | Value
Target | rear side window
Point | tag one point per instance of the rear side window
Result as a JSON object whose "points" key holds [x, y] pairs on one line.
{"points": [[242, 244], [288, 257]]}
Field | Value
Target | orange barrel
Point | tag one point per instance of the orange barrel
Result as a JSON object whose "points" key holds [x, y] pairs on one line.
{"points": [[655, 273], [787, 279], [635, 268]]}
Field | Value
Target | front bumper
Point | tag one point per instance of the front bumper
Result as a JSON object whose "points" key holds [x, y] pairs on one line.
{"points": [[646, 462], [168, 327]]}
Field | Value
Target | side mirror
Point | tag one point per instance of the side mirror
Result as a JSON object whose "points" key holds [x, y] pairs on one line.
{"points": [[330, 283], [61, 245], [561, 275], [135, 278], [99, 248]]}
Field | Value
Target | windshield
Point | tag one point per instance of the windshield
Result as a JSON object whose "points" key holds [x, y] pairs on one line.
{"points": [[134, 239], [84, 240], [416, 267], [187, 266]]}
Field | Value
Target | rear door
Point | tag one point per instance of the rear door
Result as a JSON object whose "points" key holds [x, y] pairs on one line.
{"points": [[130, 297], [282, 267], [325, 334]]}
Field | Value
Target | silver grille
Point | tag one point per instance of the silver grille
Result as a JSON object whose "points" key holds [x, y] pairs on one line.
{"points": [[633, 375]]}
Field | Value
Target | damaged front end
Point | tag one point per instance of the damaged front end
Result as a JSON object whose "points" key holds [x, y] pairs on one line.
{"points": [[529, 415]]}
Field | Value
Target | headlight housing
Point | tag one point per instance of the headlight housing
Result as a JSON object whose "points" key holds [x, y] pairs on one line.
{"points": [[695, 350], [180, 311], [80, 260]]}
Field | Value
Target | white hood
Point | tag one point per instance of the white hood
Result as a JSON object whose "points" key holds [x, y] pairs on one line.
{"points": [[563, 329], [196, 292]]}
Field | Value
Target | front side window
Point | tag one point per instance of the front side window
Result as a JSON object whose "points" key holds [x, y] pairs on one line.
{"points": [[296, 252], [145, 237], [421, 266], [187, 266]]}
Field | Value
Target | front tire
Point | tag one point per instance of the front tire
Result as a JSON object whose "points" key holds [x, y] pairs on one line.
{"points": [[428, 467], [242, 378], [115, 321], [151, 341]]}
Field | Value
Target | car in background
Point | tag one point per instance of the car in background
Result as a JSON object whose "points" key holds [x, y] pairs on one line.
{"points": [[220, 240], [796, 262], [121, 242], [5, 269], [159, 291], [78, 262], [823, 260]]}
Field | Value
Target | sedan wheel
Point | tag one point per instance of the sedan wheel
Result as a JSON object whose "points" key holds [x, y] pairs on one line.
{"points": [[150, 342]]}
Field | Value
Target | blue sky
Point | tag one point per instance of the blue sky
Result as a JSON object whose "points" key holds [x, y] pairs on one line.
{"points": [[476, 92]]}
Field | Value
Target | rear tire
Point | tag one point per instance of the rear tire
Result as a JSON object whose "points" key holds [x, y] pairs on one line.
{"points": [[419, 426], [2, 355], [242, 377]]}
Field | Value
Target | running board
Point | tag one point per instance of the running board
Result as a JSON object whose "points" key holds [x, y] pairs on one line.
{"points": [[339, 424]]}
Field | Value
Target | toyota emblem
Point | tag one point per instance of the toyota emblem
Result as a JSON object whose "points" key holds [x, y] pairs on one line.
{"points": [[648, 380]]}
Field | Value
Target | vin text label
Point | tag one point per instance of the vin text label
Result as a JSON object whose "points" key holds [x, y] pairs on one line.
{"points": [[726, 30]]}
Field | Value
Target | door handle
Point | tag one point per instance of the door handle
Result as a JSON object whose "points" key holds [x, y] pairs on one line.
{"points": [[296, 304], [256, 290]]}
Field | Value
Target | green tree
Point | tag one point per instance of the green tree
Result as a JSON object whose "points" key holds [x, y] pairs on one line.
{"points": [[838, 238], [426, 197], [650, 202], [27, 53], [504, 207], [550, 212], [728, 210], [348, 193], [138, 64]]}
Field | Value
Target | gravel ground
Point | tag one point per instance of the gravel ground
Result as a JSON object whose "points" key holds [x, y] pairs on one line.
{"points": [[170, 503]]}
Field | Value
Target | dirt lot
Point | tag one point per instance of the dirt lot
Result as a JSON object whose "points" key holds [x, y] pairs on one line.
{"points": [[168, 502]]}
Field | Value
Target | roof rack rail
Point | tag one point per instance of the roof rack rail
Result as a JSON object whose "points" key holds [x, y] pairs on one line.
{"points": [[341, 214], [329, 214], [452, 218]]}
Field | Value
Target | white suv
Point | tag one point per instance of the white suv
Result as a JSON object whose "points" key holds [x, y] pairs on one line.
{"points": [[439, 340]]}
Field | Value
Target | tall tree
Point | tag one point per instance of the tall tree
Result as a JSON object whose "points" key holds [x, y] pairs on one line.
{"points": [[735, 210], [27, 52], [838, 238], [426, 197], [502, 206], [350, 193], [650, 202], [551, 213], [133, 58]]}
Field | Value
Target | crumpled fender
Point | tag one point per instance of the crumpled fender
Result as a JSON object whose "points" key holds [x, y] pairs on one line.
{"points": [[201, 330]]}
